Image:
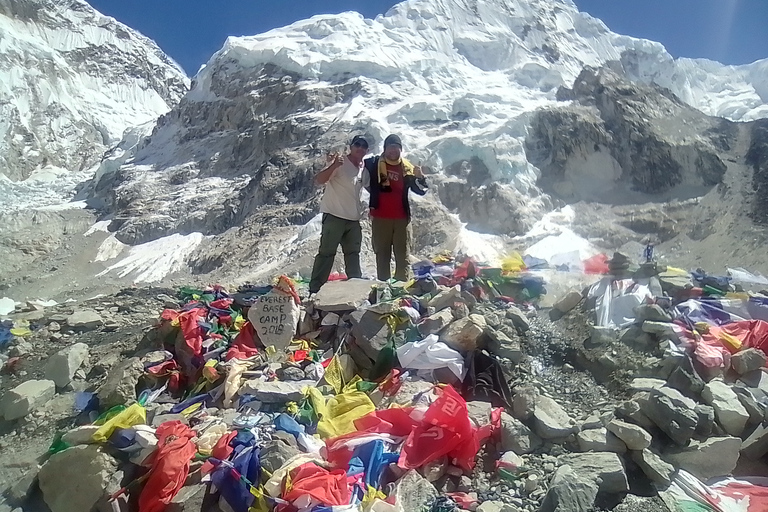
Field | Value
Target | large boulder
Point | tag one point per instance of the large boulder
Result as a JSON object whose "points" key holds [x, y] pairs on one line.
{"points": [[371, 333], [636, 438], [446, 298], [84, 320], [605, 469], [25, 398], [120, 386], [728, 409], [654, 466], [75, 479], [464, 334], [517, 437], [61, 366], [274, 455], [275, 392], [748, 360], [503, 346], [717, 456], [550, 420], [673, 413], [434, 324], [569, 491], [413, 492], [343, 295], [600, 440]]}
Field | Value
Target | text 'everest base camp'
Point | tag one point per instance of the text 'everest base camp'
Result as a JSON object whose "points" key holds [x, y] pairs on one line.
{"points": [[470, 255]]}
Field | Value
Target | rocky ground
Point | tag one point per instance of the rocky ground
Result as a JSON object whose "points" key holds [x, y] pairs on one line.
{"points": [[599, 419]]}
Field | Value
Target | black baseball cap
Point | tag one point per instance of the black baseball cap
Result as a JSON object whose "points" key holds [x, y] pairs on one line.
{"points": [[393, 140], [359, 140]]}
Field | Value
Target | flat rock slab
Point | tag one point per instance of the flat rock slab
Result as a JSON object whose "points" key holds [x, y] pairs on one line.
{"points": [[75, 479], [600, 440], [61, 366], [654, 466], [25, 398], [84, 320], [344, 295], [748, 360], [275, 391], [728, 409], [636, 438], [606, 469], [551, 421], [717, 456]]}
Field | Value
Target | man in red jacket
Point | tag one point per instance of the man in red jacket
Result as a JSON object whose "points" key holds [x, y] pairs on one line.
{"points": [[391, 178]]}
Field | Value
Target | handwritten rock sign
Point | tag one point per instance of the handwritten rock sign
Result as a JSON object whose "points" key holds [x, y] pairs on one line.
{"points": [[275, 316]]}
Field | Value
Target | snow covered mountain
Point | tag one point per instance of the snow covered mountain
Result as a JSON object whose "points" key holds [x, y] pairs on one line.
{"points": [[459, 80], [71, 82]]}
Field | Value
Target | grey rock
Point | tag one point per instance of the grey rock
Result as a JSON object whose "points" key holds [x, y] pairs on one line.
{"points": [[25, 398], [550, 420], [275, 391], [686, 379], [80, 435], [757, 379], [569, 492], [194, 498], [673, 413], [291, 373], [636, 438], [465, 484], [518, 318], [496, 506], [602, 335], [600, 440], [434, 324], [370, 331], [21, 348], [19, 492], [479, 412], [728, 409], [716, 456], [413, 491], [568, 302], [446, 298], [634, 336], [517, 437], [61, 366], [654, 466], [65, 490], [434, 470], [464, 334], [524, 402], [633, 410], [660, 329], [120, 386], [642, 384], [706, 420], [748, 360], [343, 295], [606, 469], [756, 445], [84, 320], [503, 346], [274, 455], [652, 312], [755, 410]]}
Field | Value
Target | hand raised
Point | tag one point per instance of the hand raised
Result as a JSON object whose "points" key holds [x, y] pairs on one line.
{"points": [[334, 159]]}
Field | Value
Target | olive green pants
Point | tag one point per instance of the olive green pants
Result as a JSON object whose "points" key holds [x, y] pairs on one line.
{"points": [[391, 235], [337, 231]]}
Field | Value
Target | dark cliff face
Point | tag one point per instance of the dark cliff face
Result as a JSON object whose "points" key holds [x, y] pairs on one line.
{"points": [[646, 139], [757, 157]]}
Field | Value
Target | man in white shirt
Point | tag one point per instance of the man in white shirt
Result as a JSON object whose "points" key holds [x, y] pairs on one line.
{"points": [[342, 209]]}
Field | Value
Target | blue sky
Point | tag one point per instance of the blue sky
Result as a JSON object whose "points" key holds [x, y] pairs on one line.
{"points": [[190, 31]]}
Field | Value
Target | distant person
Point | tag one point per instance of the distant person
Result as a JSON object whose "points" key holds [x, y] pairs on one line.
{"points": [[391, 177], [342, 209]]}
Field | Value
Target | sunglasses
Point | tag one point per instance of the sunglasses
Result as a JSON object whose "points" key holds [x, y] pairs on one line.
{"points": [[359, 144]]}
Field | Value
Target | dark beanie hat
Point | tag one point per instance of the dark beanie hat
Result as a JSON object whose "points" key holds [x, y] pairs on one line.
{"points": [[393, 140]]}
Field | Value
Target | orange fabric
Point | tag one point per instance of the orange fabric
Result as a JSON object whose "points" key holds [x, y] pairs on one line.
{"points": [[327, 487], [170, 466]]}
